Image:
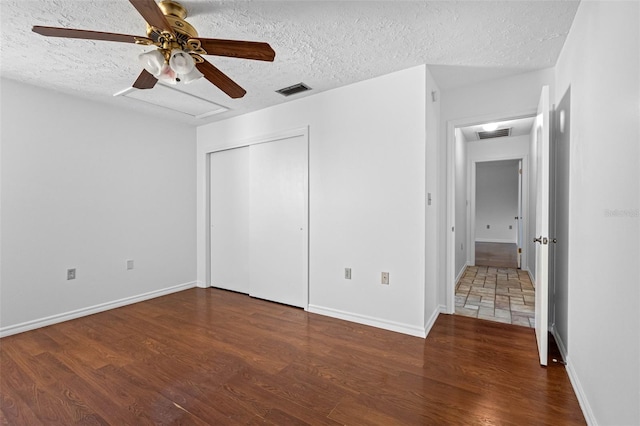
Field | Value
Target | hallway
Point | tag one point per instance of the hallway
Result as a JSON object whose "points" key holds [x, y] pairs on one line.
{"points": [[496, 294]]}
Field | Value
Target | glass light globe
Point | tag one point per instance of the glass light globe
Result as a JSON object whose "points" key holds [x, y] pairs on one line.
{"points": [[181, 62], [153, 62]]}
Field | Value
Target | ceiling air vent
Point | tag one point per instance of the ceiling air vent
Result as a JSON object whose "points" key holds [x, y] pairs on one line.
{"points": [[495, 133], [292, 90]]}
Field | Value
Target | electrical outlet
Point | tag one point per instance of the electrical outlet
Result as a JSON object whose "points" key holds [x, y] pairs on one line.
{"points": [[129, 264], [461, 247], [71, 274], [347, 273], [385, 278]]}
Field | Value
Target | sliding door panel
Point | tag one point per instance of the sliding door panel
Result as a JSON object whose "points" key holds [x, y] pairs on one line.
{"points": [[278, 221], [230, 219]]}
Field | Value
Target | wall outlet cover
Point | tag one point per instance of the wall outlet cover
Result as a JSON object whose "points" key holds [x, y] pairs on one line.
{"points": [[385, 278], [347, 273], [71, 274]]}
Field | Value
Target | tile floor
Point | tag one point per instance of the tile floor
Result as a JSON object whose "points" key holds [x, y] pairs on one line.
{"points": [[496, 294]]}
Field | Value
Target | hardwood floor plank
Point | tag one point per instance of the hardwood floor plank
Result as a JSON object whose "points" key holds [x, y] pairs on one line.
{"points": [[500, 255], [264, 396], [13, 412], [208, 356]]}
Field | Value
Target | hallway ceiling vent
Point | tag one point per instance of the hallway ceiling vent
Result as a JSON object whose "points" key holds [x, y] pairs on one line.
{"points": [[494, 133], [292, 90]]}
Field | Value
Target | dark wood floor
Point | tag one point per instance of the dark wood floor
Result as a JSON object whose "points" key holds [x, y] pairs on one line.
{"points": [[500, 255], [206, 356]]}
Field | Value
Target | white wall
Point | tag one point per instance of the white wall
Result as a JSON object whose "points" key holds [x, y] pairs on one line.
{"points": [[487, 101], [461, 202], [367, 194], [86, 186], [431, 304], [497, 201], [600, 63], [498, 149]]}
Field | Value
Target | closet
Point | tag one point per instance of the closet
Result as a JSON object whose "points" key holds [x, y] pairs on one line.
{"points": [[259, 216]]}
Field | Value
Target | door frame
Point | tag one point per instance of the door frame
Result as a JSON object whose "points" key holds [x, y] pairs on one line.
{"points": [[450, 278], [471, 194], [203, 222]]}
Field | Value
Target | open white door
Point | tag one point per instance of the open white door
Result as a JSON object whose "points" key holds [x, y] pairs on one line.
{"points": [[541, 141]]}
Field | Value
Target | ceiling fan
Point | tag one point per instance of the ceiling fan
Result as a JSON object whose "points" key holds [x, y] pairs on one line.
{"points": [[179, 49]]}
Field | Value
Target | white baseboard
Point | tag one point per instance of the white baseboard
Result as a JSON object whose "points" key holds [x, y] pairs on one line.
{"points": [[372, 321], [66, 316], [432, 319], [495, 240], [575, 381], [460, 274], [530, 276], [580, 394]]}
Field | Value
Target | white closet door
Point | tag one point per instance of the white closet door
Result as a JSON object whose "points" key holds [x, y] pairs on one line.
{"points": [[278, 221], [230, 219]]}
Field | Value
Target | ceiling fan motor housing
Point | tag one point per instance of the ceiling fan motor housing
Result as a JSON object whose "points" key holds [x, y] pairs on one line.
{"points": [[175, 14]]}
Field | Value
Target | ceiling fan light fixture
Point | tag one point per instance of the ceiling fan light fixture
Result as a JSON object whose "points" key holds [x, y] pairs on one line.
{"points": [[181, 62], [167, 75], [153, 61], [191, 76]]}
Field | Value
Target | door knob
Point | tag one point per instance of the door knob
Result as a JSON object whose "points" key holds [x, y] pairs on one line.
{"points": [[541, 240]]}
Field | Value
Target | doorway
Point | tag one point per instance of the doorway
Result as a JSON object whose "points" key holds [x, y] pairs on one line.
{"points": [[497, 209], [490, 200]]}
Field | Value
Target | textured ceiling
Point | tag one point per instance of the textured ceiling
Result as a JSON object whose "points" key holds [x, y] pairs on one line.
{"points": [[324, 44]]}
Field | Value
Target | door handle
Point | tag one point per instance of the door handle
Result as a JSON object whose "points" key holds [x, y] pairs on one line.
{"points": [[538, 240]]}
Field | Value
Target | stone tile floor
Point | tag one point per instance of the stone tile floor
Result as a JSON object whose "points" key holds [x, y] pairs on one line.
{"points": [[496, 294]]}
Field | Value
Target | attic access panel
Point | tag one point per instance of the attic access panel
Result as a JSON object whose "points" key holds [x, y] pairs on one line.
{"points": [[176, 100]]}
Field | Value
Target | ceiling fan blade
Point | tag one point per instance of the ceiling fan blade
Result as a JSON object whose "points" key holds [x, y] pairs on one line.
{"points": [[238, 49], [152, 14], [84, 34], [218, 78], [145, 80]]}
